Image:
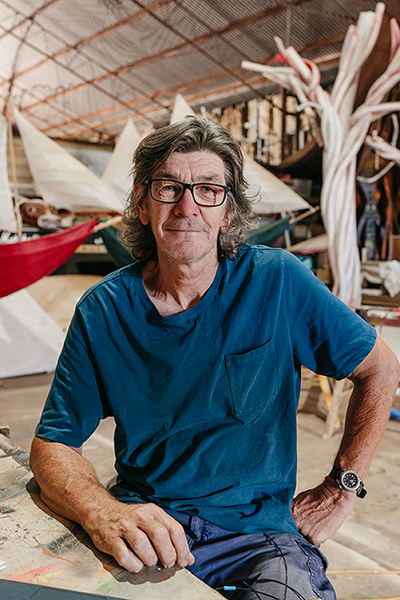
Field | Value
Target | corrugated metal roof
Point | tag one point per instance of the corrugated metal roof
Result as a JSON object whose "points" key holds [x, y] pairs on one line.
{"points": [[78, 69]]}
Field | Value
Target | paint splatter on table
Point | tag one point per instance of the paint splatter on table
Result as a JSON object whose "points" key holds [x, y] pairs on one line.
{"points": [[40, 547]]}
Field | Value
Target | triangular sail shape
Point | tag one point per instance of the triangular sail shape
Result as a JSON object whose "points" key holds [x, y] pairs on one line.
{"points": [[30, 340], [8, 222], [116, 176], [319, 243], [24, 263], [61, 179], [181, 109], [274, 195]]}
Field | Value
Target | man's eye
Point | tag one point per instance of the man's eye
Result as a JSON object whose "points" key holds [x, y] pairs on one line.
{"points": [[169, 187], [207, 191]]}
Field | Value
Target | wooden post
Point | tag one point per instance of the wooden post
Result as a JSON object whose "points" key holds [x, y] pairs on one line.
{"points": [[387, 239], [283, 130], [14, 173]]}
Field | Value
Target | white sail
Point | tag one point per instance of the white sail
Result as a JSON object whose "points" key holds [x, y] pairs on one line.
{"points": [[61, 179], [116, 175], [181, 109], [8, 222], [319, 243], [30, 340], [273, 196]]}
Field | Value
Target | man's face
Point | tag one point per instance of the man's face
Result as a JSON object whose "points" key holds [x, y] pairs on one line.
{"points": [[185, 232]]}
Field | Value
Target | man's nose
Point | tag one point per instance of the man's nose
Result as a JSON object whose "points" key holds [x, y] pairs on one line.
{"points": [[186, 206]]}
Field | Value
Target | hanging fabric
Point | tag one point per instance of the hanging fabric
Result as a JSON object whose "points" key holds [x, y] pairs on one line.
{"points": [[24, 263]]}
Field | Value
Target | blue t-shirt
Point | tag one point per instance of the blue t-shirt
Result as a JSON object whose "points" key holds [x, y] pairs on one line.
{"points": [[204, 401]]}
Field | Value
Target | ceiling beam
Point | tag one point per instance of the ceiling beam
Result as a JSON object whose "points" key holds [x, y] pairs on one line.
{"points": [[24, 19], [193, 99], [209, 56], [173, 51], [165, 92], [53, 58], [235, 87], [197, 83], [137, 16], [69, 70]]}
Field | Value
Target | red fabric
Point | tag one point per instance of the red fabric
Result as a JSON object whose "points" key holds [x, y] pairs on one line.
{"points": [[24, 263]]}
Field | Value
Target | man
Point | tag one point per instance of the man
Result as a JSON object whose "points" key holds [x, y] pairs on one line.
{"points": [[196, 351]]}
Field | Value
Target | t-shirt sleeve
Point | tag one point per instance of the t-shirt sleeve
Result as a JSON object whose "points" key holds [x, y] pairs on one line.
{"points": [[328, 337], [76, 401]]}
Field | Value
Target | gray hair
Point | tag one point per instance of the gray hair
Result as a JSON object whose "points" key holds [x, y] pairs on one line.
{"points": [[190, 135]]}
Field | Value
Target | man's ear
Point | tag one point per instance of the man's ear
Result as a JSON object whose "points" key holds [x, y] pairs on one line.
{"points": [[143, 214], [226, 221], [141, 208]]}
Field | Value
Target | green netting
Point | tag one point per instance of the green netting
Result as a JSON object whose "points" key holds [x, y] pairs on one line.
{"points": [[268, 234], [115, 247]]}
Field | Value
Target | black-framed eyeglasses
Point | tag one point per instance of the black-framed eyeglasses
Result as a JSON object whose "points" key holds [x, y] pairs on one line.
{"points": [[169, 191]]}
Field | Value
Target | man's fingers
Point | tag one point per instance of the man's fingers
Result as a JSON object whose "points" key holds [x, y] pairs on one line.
{"points": [[177, 537], [177, 534], [125, 557], [159, 535], [141, 545], [167, 537], [141, 534]]}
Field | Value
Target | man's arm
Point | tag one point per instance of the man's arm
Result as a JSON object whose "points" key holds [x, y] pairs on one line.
{"points": [[134, 534], [320, 512]]}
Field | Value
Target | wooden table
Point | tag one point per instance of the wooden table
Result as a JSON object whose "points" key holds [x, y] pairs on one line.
{"points": [[40, 547]]}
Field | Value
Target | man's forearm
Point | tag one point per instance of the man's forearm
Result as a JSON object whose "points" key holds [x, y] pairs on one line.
{"points": [[375, 383], [135, 534], [319, 512], [67, 480]]}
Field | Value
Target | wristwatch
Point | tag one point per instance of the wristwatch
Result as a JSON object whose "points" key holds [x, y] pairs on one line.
{"points": [[349, 481]]}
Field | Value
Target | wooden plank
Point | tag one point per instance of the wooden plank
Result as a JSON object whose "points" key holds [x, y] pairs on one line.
{"points": [[58, 294], [41, 547], [341, 390]]}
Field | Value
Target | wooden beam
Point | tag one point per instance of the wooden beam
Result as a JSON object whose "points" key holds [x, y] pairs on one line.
{"points": [[235, 87], [322, 44], [172, 51], [132, 103], [24, 19], [67, 68], [197, 83], [139, 15]]}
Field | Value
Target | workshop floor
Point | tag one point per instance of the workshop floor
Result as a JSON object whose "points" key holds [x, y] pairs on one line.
{"points": [[364, 555]]}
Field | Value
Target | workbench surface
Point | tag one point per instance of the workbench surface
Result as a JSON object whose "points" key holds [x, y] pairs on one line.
{"points": [[40, 547]]}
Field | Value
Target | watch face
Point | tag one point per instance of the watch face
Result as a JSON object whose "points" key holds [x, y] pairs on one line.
{"points": [[350, 480]]}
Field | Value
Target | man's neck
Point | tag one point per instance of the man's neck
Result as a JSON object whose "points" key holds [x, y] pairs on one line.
{"points": [[174, 288]]}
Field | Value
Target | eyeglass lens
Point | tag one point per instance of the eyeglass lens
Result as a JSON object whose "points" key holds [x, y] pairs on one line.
{"points": [[172, 191]]}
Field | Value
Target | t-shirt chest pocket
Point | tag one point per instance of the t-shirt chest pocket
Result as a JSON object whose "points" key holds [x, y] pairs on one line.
{"points": [[252, 379]]}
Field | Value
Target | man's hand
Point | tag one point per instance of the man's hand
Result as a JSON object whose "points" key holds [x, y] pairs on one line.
{"points": [[139, 534], [320, 512], [134, 534]]}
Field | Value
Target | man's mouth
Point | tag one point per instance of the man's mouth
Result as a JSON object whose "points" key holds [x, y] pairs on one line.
{"points": [[184, 228]]}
